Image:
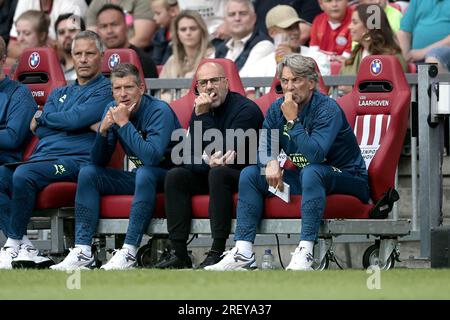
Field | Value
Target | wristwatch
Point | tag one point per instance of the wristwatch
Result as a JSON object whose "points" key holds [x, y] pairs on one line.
{"points": [[291, 123], [37, 116]]}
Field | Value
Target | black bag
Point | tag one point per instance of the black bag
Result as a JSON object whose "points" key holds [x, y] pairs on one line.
{"points": [[384, 205]]}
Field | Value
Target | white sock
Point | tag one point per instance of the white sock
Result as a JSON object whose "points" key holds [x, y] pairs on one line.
{"points": [[85, 249], [131, 249], [245, 248], [308, 245], [13, 243], [26, 241]]}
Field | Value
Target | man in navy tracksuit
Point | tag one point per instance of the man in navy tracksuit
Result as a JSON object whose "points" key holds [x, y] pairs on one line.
{"points": [[143, 125], [63, 128], [216, 110], [313, 131], [17, 107]]}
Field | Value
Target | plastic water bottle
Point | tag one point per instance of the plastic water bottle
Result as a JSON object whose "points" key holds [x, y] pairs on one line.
{"points": [[267, 260]]}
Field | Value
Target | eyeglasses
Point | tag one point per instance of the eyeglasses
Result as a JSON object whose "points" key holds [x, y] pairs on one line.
{"points": [[202, 83]]}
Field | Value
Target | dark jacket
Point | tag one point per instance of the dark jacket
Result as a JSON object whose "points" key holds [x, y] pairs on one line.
{"points": [[64, 127], [145, 138], [236, 112], [17, 108], [257, 36], [162, 49], [148, 66]]}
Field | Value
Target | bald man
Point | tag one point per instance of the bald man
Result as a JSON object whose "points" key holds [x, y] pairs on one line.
{"points": [[216, 171]]}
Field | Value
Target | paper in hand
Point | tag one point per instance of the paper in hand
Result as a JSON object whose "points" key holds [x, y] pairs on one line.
{"points": [[283, 195]]}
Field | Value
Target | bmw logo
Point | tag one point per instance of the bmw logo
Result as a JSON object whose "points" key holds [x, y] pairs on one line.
{"points": [[113, 61], [376, 67], [34, 60]]}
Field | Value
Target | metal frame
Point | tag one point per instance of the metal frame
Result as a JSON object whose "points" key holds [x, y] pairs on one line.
{"points": [[387, 230]]}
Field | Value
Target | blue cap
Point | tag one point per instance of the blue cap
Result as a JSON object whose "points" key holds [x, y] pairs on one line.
{"points": [[268, 251]]}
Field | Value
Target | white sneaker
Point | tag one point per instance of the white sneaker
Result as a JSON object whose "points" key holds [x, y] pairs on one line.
{"points": [[301, 260], [233, 260], [122, 259], [76, 259], [30, 258], [7, 254]]}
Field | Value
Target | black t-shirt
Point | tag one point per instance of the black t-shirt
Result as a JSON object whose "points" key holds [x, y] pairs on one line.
{"points": [[148, 66], [306, 10], [7, 9]]}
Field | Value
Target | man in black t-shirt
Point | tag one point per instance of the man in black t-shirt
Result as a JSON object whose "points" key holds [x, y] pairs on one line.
{"points": [[112, 29]]}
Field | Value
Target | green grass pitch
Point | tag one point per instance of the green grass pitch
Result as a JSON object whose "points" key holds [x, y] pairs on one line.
{"points": [[236, 285]]}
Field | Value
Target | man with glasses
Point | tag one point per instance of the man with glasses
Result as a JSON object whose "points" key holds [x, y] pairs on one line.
{"points": [[66, 27], [216, 110], [314, 133], [143, 125]]}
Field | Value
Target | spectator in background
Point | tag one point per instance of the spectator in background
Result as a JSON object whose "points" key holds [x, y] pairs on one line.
{"points": [[17, 107], [282, 23], [424, 27], [190, 44], [330, 32], [370, 40], [394, 16], [67, 26], [247, 45], [112, 29], [138, 18], [54, 8], [164, 11], [307, 10], [32, 32], [7, 8], [213, 13]]}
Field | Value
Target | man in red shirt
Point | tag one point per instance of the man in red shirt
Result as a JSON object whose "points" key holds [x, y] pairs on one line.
{"points": [[329, 32]]}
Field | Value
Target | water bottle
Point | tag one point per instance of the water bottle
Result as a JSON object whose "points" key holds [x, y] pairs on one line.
{"points": [[267, 260]]}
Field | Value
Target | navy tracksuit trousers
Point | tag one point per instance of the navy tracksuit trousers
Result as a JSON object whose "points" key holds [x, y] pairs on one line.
{"points": [[95, 181], [313, 182], [18, 189]]}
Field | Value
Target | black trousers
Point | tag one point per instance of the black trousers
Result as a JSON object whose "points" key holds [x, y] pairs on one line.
{"points": [[181, 184]]}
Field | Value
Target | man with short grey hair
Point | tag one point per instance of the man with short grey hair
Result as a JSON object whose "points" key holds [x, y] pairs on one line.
{"points": [[314, 134], [65, 140]]}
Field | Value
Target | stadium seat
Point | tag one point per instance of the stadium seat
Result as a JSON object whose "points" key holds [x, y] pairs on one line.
{"points": [[377, 109], [276, 92], [159, 68], [183, 106], [412, 67], [6, 70], [112, 57], [40, 70]]}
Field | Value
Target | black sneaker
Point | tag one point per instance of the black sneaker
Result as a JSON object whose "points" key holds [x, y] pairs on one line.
{"points": [[212, 257], [171, 261]]}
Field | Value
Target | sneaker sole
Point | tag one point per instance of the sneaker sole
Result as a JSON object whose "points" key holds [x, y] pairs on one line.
{"points": [[24, 264]]}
